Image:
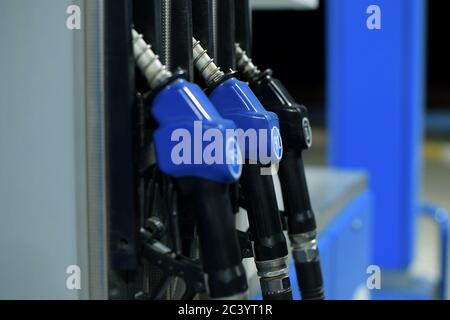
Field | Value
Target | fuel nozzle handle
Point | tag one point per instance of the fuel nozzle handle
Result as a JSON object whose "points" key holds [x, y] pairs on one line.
{"points": [[297, 203]]}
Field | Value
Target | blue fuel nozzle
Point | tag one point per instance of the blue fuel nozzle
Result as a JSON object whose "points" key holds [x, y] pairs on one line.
{"points": [[236, 101], [192, 139], [258, 130], [198, 147], [260, 140]]}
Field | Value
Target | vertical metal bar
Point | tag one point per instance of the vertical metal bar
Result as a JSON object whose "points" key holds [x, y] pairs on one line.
{"points": [[214, 28], [121, 147], [95, 139], [166, 23]]}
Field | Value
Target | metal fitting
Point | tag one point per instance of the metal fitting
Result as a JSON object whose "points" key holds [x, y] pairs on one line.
{"points": [[205, 65], [272, 268], [148, 62], [245, 64], [304, 247], [275, 285]]}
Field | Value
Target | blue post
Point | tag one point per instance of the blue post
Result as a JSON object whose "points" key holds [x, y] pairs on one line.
{"points": [[375, 110]]}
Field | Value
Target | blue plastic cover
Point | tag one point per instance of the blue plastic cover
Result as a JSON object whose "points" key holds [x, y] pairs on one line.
{"points": [[193, 140], [236, 101]]}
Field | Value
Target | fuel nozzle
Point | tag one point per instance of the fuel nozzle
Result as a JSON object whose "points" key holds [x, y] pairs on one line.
{"points": [[235, 100], [183, 110], [297, 137]]}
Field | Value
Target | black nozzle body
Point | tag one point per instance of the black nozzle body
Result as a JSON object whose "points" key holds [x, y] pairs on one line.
{"points": [[296, 134], [297, 203], [297, 137], [310, 280], [264, 219], [220, 250]]}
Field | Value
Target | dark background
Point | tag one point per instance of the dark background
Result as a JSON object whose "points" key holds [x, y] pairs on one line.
{"points": [[301, 65]]}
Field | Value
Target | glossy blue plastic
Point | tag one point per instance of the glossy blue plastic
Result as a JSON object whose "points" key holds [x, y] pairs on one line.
{"points": [[192, 139], [236, 101]]}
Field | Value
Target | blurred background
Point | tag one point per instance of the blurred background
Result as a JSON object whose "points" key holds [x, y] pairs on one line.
{"points": [[378, 171], [323, 53]]}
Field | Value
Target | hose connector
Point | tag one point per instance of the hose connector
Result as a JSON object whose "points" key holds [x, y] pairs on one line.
{"points": [[275, 282], [304, 247], [148, 62], [205, 65], [307, 265], [245, 65]]}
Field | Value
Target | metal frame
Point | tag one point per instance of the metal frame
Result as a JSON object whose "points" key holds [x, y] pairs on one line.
{"points": [[95, 148]]}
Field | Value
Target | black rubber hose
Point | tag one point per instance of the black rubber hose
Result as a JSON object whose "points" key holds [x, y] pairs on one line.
{"points": [[310, 280], [226, 38], [243, 22]]}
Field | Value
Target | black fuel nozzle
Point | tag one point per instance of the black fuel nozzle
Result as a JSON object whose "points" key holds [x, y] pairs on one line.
{"points": [[297, 136]]}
